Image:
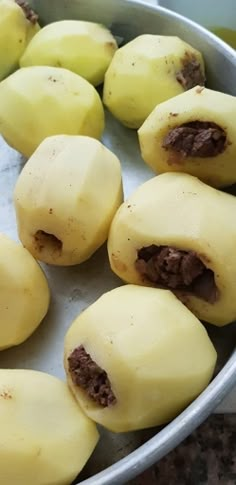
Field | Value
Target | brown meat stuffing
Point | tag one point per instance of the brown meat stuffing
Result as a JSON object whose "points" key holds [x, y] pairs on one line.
{"points": [[196, 139], [28, 11], [178, 270], [191, 74], [85, 373]]}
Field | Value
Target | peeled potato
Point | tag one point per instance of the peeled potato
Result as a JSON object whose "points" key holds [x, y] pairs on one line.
{"points": [[195, 133], [24, 293], [18, 24], [41, 101], [147, 71], [136, 357], [178, 233], [45, 438], [85, 48], [66, 197]]}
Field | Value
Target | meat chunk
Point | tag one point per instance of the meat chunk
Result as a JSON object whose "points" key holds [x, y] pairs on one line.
{"points": [[178, 270], [196, 139], [191, 74], [86, 374]]}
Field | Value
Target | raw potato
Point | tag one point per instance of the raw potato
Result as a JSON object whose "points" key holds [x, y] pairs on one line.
{"points": [[156, 355], [24, 294], [41, 101], [208, 152], [181, 212], [147, 71], [15, 32], [85, 48], [45, 438], [66, 197]]}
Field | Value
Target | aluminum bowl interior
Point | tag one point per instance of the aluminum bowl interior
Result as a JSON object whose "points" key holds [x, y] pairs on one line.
{"points": [[118, 458]]}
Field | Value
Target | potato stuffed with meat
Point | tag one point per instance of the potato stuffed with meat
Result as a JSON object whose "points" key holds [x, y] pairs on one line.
{"points": [[136, 357], [66, 197], [147, 71], [194, 133], [177, 232]]}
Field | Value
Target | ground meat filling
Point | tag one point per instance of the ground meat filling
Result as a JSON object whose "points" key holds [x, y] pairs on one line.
{"points": [[196, 139], [85, 373], [28, 11], [191, 74], [178, 270]]}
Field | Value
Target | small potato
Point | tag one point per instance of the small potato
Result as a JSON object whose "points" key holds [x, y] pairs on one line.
{"points": [[18, 24], [41, 101], [178, 233], [24, 293], [136, 357], [147, 71], [85, 48], [45, 438], [194, 133], [66, 197]]}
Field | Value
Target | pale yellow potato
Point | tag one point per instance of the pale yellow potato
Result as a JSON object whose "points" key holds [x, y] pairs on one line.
{"points": [[156, 353], [145, 72], [24, 293], [41, 101], [180, 211], [85, 48], [198, 104], [15, 32], [45, 438], [65, 199]]}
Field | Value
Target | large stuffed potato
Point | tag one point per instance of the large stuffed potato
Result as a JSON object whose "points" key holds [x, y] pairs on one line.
{"points": [[177, 232], [136, 357], [66, 197]]}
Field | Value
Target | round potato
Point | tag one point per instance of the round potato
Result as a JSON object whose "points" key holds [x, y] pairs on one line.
{"points": [[18, 24], [45, 437], [136, 357], [66, 197], [190, 133], [147, 71], [177, 232], [41, 101], [85, 48], [24, 293]]}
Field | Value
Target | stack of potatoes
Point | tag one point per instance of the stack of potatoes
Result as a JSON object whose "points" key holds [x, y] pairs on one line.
{"points": [[139, 354]]}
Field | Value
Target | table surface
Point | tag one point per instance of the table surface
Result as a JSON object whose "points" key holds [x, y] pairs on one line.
{"points": [[207, 457]]}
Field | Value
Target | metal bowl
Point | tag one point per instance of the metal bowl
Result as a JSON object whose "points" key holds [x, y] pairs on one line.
{"points": [[119, 458]]}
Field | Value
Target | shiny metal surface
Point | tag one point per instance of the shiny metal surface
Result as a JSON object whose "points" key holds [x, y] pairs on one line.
{"points": [[118, 458]]}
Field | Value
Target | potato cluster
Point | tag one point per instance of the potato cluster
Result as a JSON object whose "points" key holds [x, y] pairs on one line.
{"points": [[140, 354]]}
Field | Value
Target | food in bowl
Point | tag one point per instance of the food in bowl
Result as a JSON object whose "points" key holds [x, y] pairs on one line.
{"points": [[147, 71], [194, 133], [18, 25], [66, 197], [85, 48], [176, 232], [136, 357], [24, 294], [41, 101], [45, 437]]}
